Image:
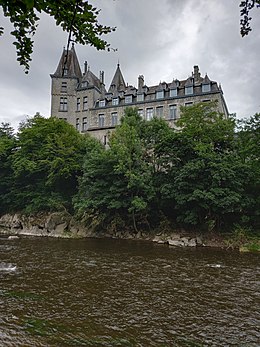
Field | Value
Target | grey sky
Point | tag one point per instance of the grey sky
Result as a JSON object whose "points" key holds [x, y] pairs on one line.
{"points": [[159, 39]]}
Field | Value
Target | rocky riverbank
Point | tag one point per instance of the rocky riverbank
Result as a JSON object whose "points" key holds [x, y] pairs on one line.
{"points": [[64, 225]]}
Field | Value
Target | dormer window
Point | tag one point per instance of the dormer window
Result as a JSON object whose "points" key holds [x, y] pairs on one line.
{"points": [[189, 90], [160, 94], [173, 92], [84, 84], [115, 101], [102, 103], [140, 97], [128, 99], [121, 94], [206, 88]]}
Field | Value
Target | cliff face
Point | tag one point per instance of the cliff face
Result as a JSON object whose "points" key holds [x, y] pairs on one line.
{"points": [[58, 224]]}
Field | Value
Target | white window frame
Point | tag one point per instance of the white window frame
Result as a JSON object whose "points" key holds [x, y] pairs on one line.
{"points": [[189, 90], [173, 112], [115, 101], [173, 92], [78, 104], [206, 88], [128, 99], [160, 94], [102, 103], [140, 97], [114, 118], [85, 103], [63, 103], [149, 113], [160, 113], [101, 120], [84, 124], [141, 112]]}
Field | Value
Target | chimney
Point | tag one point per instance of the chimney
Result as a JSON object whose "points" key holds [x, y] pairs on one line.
{"points": [[85, 67], [101, 76], [140, 82], [196, 74]]}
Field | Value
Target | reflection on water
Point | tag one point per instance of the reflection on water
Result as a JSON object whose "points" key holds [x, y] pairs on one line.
{"points": [[122, 293]]}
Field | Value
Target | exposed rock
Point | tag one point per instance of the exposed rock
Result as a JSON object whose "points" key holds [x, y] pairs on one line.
{"points": [[177, 243], [13, 237]]}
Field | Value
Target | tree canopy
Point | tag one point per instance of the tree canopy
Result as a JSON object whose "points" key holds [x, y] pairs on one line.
{"points": [[78, 18]]}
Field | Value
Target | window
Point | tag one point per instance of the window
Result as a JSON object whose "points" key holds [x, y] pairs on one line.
{"points": [[128, 99], [188, 104], [114, 119], [85, 102], [77, 124], [84, 124], [64, 87], [105, 140], [115, 101], [160, 94], [102, 103], [65, 72], [141, 113], [101, 120], [206, 88], [63, 104], [84, 84], [173, 92], [189, 90], [173, 112], [78, 104], [159, 111], [149, 113], [140, 97]]}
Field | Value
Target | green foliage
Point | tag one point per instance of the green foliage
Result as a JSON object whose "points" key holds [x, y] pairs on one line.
{"points": [[78, 17], [7, 146], [45, 165], [246, 7], [205, 175]]}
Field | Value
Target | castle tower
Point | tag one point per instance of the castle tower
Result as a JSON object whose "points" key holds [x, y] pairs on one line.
{"points": [[118, 82], [64, 84]]}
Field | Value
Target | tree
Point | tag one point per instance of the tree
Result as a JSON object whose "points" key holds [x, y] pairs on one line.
{"points": [[78, 18], [206, 183], [7, 147], [246, 7], [248, 144], [46, 164]]}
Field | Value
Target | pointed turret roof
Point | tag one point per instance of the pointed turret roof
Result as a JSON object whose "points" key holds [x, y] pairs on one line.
{"points": [[206, 80], [68, 63], [118, 82]]}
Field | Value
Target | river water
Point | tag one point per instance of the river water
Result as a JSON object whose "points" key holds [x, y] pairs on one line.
{"points": [[94, 292]]}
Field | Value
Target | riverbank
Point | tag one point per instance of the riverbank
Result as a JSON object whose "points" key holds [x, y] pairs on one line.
{"points": [[63, 225]]}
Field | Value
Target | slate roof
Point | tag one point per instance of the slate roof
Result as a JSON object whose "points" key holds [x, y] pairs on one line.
{"points": [[70, 62], [92, 79], [118, 82]]}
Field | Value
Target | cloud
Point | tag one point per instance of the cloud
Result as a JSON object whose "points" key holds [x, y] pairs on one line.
{"points": [[160, 39]]}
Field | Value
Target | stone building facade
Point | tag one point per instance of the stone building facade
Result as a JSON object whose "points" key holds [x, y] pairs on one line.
{"points": [[82, 99]]}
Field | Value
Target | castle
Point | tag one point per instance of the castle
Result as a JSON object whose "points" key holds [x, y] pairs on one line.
{"points": [[82, 99]]}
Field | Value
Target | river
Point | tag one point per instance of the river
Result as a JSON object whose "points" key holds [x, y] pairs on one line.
{"points": [[96, 292]]}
